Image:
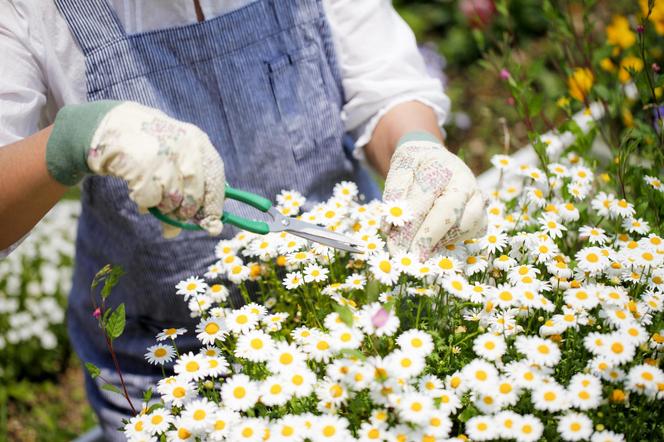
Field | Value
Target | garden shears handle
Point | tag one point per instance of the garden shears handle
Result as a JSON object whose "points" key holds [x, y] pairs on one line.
{"points": [[256, 201], [279, 223]]}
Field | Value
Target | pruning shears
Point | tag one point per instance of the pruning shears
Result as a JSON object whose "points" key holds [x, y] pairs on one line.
{"points": [[279, 223]]}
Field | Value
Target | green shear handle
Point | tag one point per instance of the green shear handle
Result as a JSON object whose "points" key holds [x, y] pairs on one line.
{"points": [[256, 201]]}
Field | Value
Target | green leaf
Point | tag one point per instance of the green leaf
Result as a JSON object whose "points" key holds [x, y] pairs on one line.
{"points": [[469, 412], [101, 274], [147, 395], [353, 353], [93, 370], [112, 388], [116, 322], [111, 281], [345, 314], [373, 287]]}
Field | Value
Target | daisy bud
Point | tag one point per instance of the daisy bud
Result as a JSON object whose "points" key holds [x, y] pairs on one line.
{"points": [[208, 384]]}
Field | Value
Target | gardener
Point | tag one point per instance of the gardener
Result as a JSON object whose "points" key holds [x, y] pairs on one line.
{"points": [[159, 103]]}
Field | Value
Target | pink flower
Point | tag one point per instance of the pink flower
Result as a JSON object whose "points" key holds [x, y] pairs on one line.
{"points": [[504, 74], [97, 313], [380, 318]]}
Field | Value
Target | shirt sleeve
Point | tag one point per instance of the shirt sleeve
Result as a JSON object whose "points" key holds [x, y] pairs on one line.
{"points": [[22, 86], [380, 64]]}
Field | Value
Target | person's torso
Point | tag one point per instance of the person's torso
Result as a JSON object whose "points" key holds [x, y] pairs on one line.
{"points": [[262, 82]]}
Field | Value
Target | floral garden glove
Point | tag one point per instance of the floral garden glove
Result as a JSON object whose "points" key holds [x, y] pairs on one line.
{"points": [[440, 190], [167, 163]]}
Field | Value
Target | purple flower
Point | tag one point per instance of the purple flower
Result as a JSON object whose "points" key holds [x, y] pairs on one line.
{"points": [[658, 118], [640, 29], [504, 74], [380, 318], [656, 68]]}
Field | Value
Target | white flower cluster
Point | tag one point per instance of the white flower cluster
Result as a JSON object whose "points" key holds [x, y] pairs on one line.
{"points": [[35, 280], [522, 334]]}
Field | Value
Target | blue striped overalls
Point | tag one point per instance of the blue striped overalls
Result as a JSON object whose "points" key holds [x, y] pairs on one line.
{"points": [[262, 81]]}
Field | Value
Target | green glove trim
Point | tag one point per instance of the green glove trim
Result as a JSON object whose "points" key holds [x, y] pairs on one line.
{"points": [[418, 135], [70, 140]]}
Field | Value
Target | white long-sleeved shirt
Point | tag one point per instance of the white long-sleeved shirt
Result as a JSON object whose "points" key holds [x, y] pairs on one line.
{"points": [[42, 68]]}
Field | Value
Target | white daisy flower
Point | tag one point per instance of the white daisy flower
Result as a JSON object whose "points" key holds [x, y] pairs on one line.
{"points": [[493, 241], [217, 292], [537, 350], [575, 426], [255, 346], [191, 366], [654, 182], [199, 413], [549, 224], [293, 280], [591, 259], [502, 162], [158, 421], [239, 392], [406, 263], [160, 354], [607, 436], [636, 225], [176, 391], [248, 430], [482, 427], [222, 422], [301, 379], [549, 396], [384, 269], [241, 321], [622, 208], [190, 287], [397, 212], [170, 333], [330, 428], [489, 346], [209, 330], [528, 429], [315, 273], [416, 342], [415, 408]]}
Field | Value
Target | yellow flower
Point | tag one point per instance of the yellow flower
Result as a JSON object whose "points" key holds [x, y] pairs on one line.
{"points": [[657, 14], [580, 83], [629, 62], [562, 102], [607, 65], [618, 33]]}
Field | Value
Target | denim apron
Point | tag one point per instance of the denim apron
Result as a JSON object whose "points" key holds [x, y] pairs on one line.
{"points": [[263, 83]]}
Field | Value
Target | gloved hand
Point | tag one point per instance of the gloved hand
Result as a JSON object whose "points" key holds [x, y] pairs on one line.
{"points": [[440, 190], [167, 163]]}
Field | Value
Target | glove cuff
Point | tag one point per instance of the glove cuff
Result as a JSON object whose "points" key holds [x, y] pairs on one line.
{"points": [[418, 135], [70, 139]]}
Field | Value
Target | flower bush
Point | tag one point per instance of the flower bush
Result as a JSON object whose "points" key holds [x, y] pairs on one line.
{"points": [[549, 326], [34, 284]]}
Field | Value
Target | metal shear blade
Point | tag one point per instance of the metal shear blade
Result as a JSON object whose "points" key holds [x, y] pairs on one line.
{"points": [[311, 232]]}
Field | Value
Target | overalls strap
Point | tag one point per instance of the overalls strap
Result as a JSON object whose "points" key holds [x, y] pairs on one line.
{"points": [[93, 23]]}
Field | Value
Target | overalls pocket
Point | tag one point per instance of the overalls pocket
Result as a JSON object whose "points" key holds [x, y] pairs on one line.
{"points": [[299, 89]]}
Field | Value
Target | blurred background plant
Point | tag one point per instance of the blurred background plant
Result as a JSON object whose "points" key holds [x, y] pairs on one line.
{"points": [[39, 377], [534, 62], [515, 67]]}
